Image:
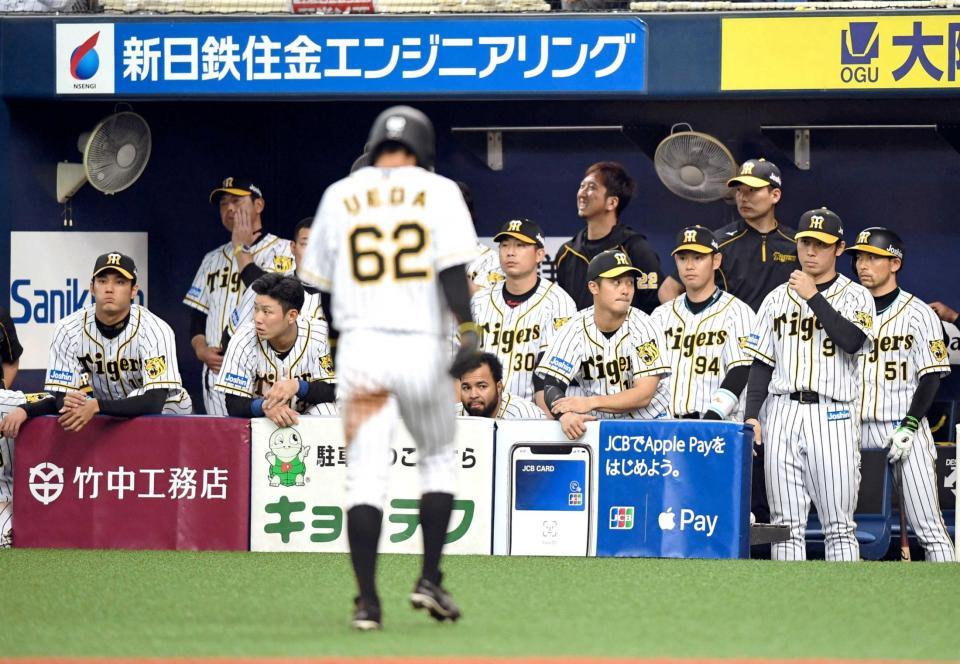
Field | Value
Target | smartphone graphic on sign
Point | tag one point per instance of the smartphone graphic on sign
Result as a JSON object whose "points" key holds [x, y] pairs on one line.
{"points": [[549, 500]]}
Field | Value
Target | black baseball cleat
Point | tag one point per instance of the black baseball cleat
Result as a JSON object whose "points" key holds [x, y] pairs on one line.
{"points": [[366, 616], [433, 598]]}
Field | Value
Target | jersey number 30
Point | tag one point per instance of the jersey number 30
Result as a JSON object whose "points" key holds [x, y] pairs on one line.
{"points": [[367, 255]]}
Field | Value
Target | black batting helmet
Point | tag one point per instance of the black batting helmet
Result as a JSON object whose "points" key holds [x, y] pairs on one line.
{"points": [[408, 127], [878, 241]]}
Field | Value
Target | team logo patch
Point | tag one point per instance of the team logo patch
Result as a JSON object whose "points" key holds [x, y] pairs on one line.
{"points": [[743, 341], [60, 376], [560, 364], [863, 319], [939, 350], [326, 362], [155, 366], [560, 322], [648, 352], [282, 263], [779, 257], [495, 277], [34, 397], [837, 415], [236, 380]]}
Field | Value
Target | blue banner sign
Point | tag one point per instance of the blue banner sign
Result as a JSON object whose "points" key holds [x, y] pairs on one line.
{"points": [[354, 56], [674, 489]]}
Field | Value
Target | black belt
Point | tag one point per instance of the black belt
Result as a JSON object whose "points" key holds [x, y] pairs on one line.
{"points": [[691, 416], [805, 397]]}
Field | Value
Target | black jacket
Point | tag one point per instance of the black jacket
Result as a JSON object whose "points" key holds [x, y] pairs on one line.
{"points": [[575, 255]]}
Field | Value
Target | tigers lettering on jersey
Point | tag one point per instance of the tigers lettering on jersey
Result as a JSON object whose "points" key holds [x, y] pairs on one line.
{"points": [[516, 335], [702, 347], [909, 345], [606, 365], [142, 356], [251, 365], [689, 343], [217, 288], [787, 335]]}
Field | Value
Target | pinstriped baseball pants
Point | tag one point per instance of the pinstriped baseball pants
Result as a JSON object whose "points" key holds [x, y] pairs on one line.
{"points": [[812, 453], [917, 478]]}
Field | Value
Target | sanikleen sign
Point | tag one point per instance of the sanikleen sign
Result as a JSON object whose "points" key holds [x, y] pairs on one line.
{"points": [[840, 53]]}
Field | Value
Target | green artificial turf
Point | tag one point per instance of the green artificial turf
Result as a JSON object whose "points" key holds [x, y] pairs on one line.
{"points": [[162, 604]]}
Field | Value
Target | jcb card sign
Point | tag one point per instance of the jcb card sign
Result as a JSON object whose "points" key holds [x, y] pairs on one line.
{"points": [[298, 496], [44, 291], [840, 53]]}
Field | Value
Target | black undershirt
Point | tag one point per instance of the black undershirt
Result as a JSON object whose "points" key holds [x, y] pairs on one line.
{"points": [[112, 331], [697, 307], [884, 301], [514, 301]]}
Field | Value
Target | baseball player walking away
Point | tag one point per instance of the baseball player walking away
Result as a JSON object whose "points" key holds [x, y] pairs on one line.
{"points": [[603, 195], [520, 315], [9, 400], [278, 365], [706, 334], [482, 395], [224, 274], [390, 244], [900, 375], [312, 307], [804, 343], [613, 350], [127, 354]]}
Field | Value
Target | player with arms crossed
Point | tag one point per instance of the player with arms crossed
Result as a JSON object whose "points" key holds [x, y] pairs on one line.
{"points": [[390, 245], [900, 376], [127, 353], [706, 334], [520, 315], [226, 272], [804, 342], [278, 365], [613, 350]]}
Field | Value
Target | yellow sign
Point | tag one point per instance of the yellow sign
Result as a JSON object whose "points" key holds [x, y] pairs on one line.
{"points": [[840, 53]]}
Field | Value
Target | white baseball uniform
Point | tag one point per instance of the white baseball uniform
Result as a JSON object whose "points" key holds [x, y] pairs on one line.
{"points": [[378, 244], [605, 365], [9, 400], [216, 291], [244, 311], [511, 407], [517, 334], [812, 449], [702, 347], [251, 365], [485, 270], [909, 345], [142, 357]]}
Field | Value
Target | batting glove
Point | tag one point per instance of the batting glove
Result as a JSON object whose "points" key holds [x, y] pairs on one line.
{"points": [[900, 441], [469, 349]]}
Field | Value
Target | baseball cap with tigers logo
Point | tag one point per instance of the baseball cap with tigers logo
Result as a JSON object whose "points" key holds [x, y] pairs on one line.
{"points": [[822, 224], [609, 264], [524, 230], [117, 262], [696, 238], [237, 187], [757, 173]]}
